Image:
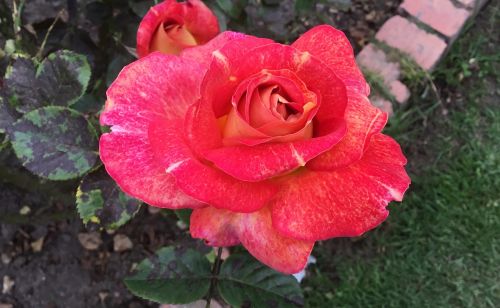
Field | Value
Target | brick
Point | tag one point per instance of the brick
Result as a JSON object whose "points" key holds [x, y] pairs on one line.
{"points": [[440, 15], [399, 91], [375, 60], [425, 48], [382, 104]]}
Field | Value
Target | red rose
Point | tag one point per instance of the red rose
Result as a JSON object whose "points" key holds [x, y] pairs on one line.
{"points": [[172, 26], [274, 146]]}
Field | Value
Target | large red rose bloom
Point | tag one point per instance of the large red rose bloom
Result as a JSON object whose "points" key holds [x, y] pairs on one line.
{"points": [[273, 146]]}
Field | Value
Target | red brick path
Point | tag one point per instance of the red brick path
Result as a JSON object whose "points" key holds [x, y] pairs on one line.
{"points": [[412, 37]]}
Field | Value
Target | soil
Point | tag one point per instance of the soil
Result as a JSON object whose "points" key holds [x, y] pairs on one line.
{"points": [[359, 19], [43, 263]]}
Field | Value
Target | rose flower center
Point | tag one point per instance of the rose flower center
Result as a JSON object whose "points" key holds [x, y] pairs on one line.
{"points": [[272, 106]]}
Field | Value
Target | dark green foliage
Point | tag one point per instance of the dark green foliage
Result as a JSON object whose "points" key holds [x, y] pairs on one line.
{"points": [[141, 7], [88, 103], [182, 275], [116, 65], [101, 202], [233, 8], [35, 11], [245, 282], [56, 143], [63, 77], [184, 215], [7, 115], [303, 5], [21, 84], [175, 276], [58, 81]]}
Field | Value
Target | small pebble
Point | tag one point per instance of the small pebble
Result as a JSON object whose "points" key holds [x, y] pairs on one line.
{"points": [[103, 296], [153, 210], [8, 284], [121, 243], [90, 241], [25, 210], [37, 245], [5, 258]]}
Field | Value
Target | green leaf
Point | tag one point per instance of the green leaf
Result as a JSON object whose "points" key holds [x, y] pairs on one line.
{"points": [[100, 201], [172, 276], [116, 65], [88, 103], [66, 71], [56, 143], [233, 8], [184, 215], [303, 5], [36, 11], [21, 85], [222, 18], [7, 115], [140, 8], [245, 282], [61, 79]]}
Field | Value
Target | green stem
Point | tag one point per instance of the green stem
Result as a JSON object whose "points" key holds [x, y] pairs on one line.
{"points": [[42, 47], [16, 19], [215, 273]]}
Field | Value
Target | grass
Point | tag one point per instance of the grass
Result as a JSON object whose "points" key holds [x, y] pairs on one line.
{"points": [[441, 246]]}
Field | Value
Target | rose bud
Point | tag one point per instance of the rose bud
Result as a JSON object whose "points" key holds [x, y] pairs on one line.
{"points": [[172, 26], [273, 146]]}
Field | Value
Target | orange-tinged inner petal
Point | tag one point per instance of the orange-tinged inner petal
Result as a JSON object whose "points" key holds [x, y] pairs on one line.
{"points": [[270, 108], [172, 39]]}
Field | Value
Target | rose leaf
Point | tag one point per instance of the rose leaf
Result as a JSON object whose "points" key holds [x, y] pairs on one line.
{"points": [[101, 202], [56, 143], [232, 8], [184, 215], [172, 276], [245, 282], [61, 79], [7, 115]]}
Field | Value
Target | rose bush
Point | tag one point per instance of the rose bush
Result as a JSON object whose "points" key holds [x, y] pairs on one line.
{"points": [[172, 26], [273, 146]]}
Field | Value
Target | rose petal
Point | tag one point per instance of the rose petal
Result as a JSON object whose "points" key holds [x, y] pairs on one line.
{"points": [[144, 179], [216, 227], [332, 47], [200, 21], [257, 235], [257, 115], [264, 161], [268, 160], [195, 16], [363, 120], [251, 109], [134, 100], [203, 53], [345, 202], [202, 125], [173, 40], [233, 65], [200, 181]]}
